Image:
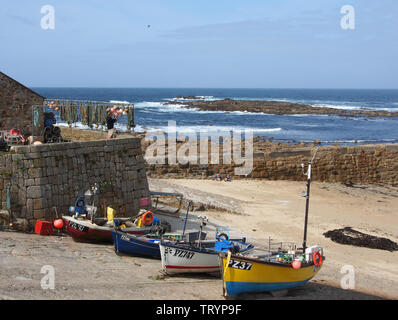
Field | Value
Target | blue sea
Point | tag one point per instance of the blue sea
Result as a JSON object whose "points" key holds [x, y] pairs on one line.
{"points": [[151, 112]]}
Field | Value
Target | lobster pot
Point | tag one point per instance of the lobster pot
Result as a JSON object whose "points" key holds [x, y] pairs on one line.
{"points": [[110, 213]]}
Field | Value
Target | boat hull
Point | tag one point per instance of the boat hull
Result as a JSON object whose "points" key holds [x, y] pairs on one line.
{"points": [[135, 245], [177, 259], [180, 258], [85, 231], [243, 275]]}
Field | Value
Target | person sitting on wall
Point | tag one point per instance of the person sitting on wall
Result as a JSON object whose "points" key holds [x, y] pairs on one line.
{"points": [[110, 122], [227, 178]]}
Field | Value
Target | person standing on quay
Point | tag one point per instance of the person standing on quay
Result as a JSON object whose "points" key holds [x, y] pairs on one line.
{"points": [[110, 123]]}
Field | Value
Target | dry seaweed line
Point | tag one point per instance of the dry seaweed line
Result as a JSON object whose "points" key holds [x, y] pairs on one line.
{"points": [[350, 236]]}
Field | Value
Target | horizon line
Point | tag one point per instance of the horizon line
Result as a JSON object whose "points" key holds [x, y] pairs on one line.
{"points": [[213, 88]]}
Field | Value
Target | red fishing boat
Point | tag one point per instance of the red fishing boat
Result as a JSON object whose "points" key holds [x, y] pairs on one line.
{"points": [[100, 230], [84, 224]]}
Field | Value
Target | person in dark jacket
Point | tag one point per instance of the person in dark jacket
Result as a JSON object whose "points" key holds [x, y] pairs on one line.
{"points": [[110, 123]]}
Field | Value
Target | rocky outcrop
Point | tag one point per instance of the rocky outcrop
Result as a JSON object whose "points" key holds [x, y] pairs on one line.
{"points": [[188, 97], [278, 108]]}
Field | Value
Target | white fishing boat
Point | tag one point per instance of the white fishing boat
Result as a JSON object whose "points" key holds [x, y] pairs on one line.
{"points": [[200, 256]]}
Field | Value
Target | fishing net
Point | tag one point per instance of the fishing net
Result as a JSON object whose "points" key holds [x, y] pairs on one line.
{"points": [[130, 118], [90, 113], [350, 236]]}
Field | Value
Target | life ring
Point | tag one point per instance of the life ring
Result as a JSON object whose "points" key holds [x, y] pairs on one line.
{"points": [[222, 236], [147, 218], [314, 259]]}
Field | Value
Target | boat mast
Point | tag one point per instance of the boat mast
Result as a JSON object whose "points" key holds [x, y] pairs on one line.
{"points": [[307, 197], [186, 218]]}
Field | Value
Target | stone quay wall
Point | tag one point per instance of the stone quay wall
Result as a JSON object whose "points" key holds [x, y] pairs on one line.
{"points": [[351, 164], [53, 175]]}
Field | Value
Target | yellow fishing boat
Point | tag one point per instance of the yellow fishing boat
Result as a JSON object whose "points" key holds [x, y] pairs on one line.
{"points": [[283, 266], [274, 272]]}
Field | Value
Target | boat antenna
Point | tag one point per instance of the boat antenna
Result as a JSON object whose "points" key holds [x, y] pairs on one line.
{"points": [[307, 196], [186, 218]]}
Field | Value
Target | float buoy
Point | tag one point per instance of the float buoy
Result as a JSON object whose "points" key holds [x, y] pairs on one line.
{"points": [[147, 218], [296, 264], [317, 262], [58, 224]]}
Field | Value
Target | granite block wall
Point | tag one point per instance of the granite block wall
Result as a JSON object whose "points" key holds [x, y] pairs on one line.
{"points": [[352, 164], [44, 177]]}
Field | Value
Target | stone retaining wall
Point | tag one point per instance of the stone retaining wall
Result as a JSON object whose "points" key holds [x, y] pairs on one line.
{"points": [[354, 164], [53, 175]]}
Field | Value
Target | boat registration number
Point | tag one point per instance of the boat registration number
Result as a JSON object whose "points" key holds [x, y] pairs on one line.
{"points": [[78, 227], [240, 265], [179, 253], [123, 237]]}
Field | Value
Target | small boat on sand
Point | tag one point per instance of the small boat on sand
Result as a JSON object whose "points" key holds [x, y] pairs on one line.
{"points": [[135, 245], [148, 245], [283, 266], [200, 256], [84, 225], [99, 230], [277, 271]]}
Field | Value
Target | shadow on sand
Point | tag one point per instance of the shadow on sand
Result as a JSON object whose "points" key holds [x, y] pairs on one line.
{"points": [[311, 291]]}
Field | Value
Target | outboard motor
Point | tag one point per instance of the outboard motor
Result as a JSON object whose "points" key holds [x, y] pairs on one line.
{"points": [[79, 208]]}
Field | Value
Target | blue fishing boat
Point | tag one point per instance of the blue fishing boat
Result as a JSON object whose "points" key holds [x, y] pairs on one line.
{"points": [[135, 245], [146, 245]]}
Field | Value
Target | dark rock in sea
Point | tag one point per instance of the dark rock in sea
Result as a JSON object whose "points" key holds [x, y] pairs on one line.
{"points": [[189, 97], [275, 107]]}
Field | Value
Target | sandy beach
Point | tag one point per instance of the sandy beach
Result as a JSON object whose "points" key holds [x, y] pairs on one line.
{"points": [[276, 209], [256, 209]]}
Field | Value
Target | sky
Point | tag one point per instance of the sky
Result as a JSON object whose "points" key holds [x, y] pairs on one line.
{"points": [[203, 44]]}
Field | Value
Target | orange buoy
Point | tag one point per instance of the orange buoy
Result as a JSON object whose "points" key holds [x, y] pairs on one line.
{"points": [[58, 224], [147, 218]]}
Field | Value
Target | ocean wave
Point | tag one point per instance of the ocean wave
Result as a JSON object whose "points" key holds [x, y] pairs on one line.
{"points": [[179, 129], [148, 104], [388, 109], [346, 107], [120, 102], [209, 129], [169, 107], [204, 98], [176, 108], [341, 107], [119, 126]]}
